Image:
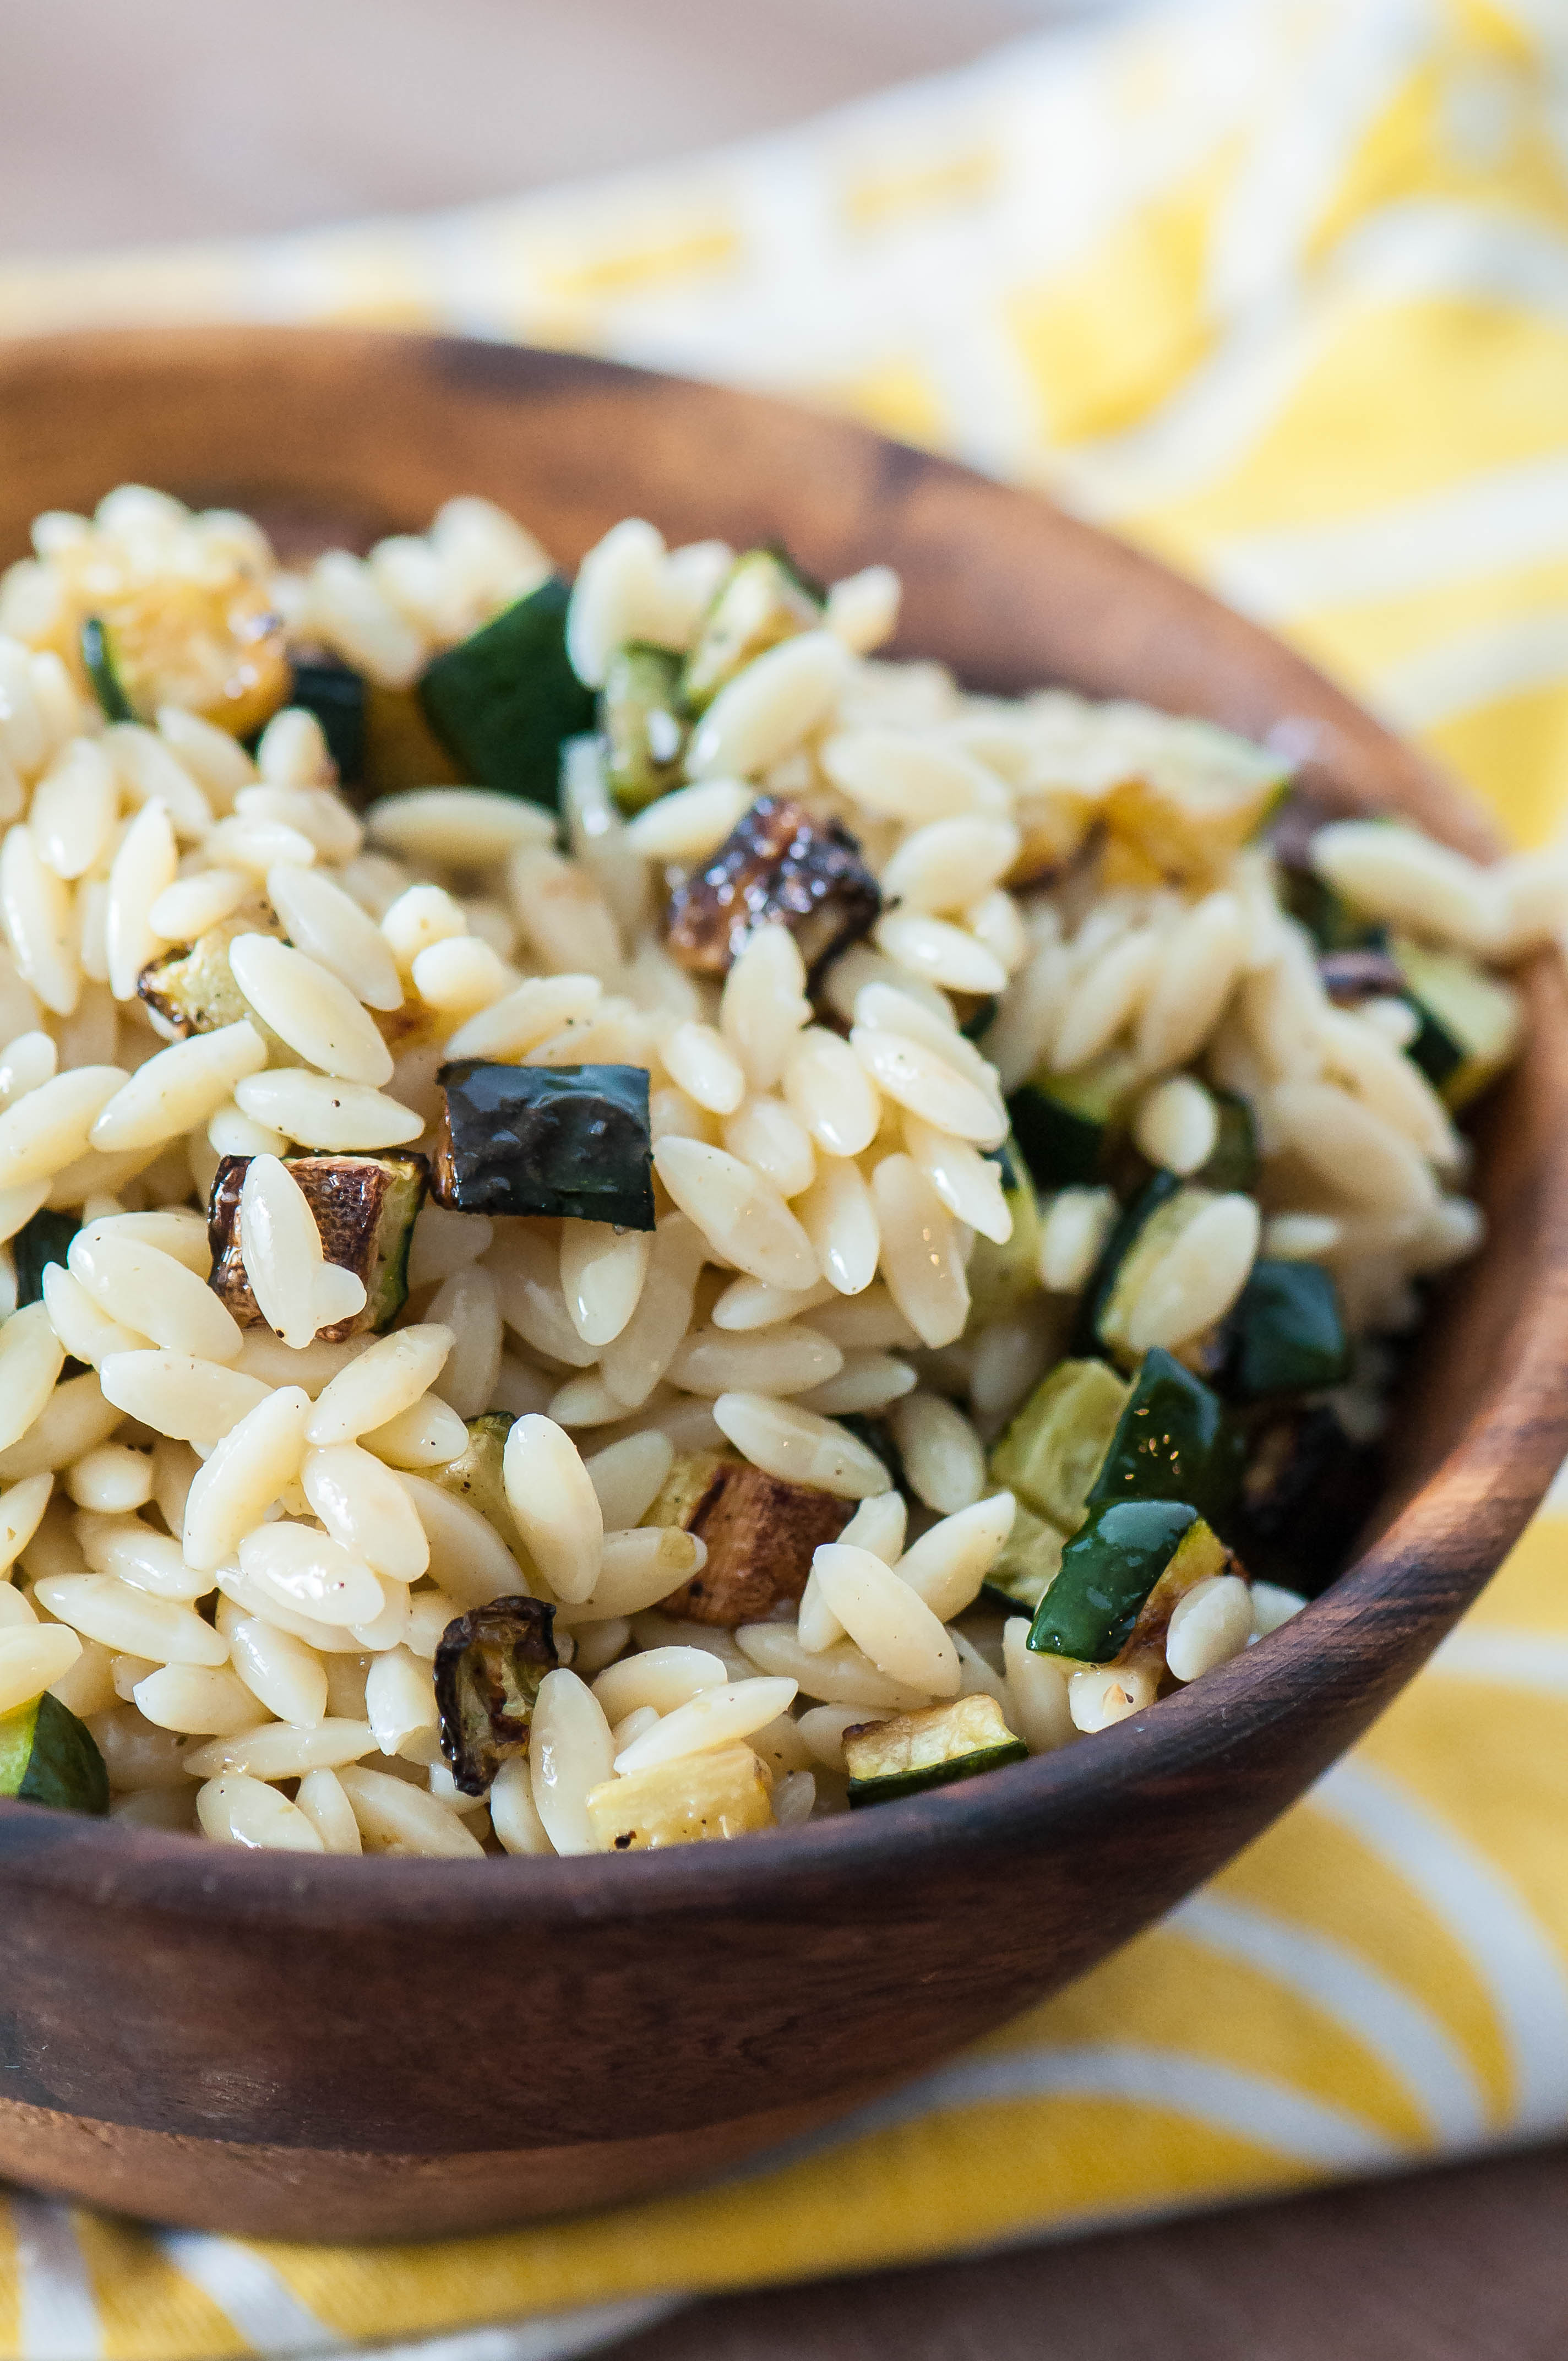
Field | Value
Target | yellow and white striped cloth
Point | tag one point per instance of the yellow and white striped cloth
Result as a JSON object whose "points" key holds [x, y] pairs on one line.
{"points": [[1280, 288]]}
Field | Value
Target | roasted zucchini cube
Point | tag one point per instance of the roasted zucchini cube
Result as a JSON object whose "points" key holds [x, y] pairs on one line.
{"points": [[506, 700], [568, 1140], [1307, 1492], [1109, 1569], [1052, 1451], [778, 866], [476, 1476], [1470, 1022], [335, 694], [1149, 1243], [1173, 1441], [760, 1531], [47, 1756], [1004, 1279], [641, 718], [212, 642], [762, 599], [1284, 1335], [1028, 1564], [488, 1666], [931, 1748], [98, 664], [191, 989], [1196, 801], [1067, 1126], [696, 1800], [364, 1208]]}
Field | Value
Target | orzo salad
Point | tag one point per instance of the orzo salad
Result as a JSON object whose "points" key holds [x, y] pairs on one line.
{"points": [[626, 1224]]}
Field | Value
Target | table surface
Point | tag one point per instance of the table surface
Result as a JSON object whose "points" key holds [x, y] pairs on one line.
{"points": [[167, 121]]}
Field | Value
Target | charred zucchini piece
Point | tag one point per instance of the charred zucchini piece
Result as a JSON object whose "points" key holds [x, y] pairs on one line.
{"points": [[47, 1756], [762, 599], [98, 664], [45, 1239], [488, 1666], [1109, 1569], [402, 749], [640, 715], [365, 1209], [1054, 1448], [912, 1752], [477, 1475], [1003, 1279], [1232, 1164], [1285, 1333], [1027, 1566], [1196, 801], [506, 700], [335, 695], [697, 1800], [569, 1140], [1173, 1441], [191, 989], [1308, 1489], [760, 1533], [778, 866], [1334, 925], [1470, 1021], [1151, 1242], [1066, 1125], [1129, 1226]]}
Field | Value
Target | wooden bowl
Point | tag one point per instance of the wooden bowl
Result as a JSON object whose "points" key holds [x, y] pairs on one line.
{"points": [[271, 2044]]}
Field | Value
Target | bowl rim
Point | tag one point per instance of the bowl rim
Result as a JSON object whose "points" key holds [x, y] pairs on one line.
{"points": [[1452, 1532]]}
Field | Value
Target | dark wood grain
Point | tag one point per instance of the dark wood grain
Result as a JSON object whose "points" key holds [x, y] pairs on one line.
{"points": [[1463, 2265], [170, 2010]]}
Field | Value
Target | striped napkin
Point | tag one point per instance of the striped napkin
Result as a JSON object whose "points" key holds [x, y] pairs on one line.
{"points": [[1279, 288]]}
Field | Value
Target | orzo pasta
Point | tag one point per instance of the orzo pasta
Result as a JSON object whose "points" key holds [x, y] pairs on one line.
{"points": [[625, 1224]]}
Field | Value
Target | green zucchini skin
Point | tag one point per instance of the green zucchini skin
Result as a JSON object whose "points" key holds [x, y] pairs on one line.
{"points": [[1234, 1163], [1285, 1333], [863, 1792], [1308, 1489], [762, 599], [1066, 1125], [44, 1239], [335, 695], [1173, 1441], [98, 663], [47, 1756], [1054, 1446], [1469, 1021], [1085, 1339], [568, 1140], [1108, 1569], [642, 723], [505, 701]]}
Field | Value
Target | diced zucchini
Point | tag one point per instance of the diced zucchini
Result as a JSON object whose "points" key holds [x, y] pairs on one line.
{"points": [[1028, 1565], [365, 1209], [1056, 1444], [402, 749], [1129, 1227], [1196, 801], [695, 1800], [1285, 1333], [488, 1666], [1308, 1489], [335, 695], [98, 663], [1066, 1125], [1200, 1557], [568, 1140], [476, 1476], [506, 700], [47, 1756], [1334, 922], [1234, 1160], [1173, 1441], [191, 989], [1109, 1569], [45, 1239], [760, 1533], [1003, 1279], [1150, 1243], [640, 714], [777, 867], [762, 599], [931, 1748], [1471, 1022]]}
